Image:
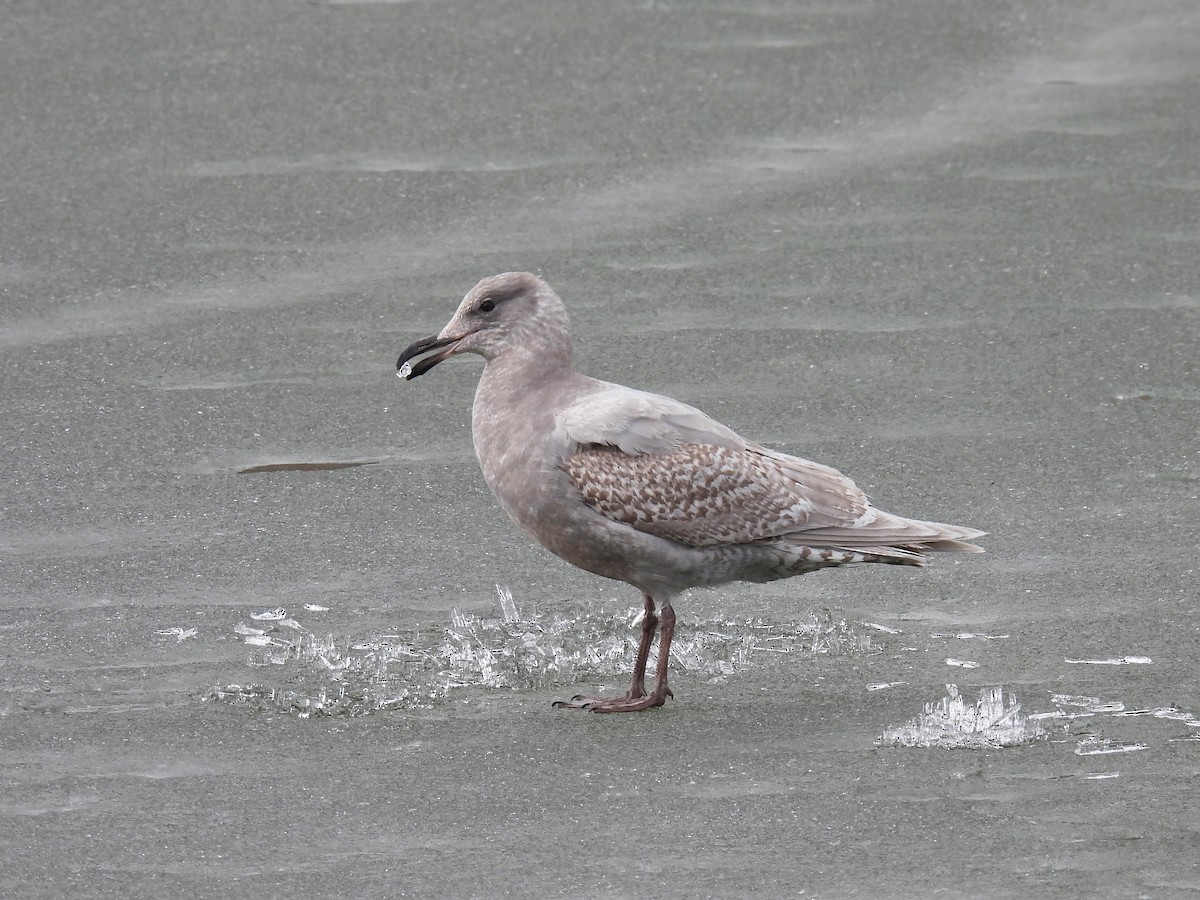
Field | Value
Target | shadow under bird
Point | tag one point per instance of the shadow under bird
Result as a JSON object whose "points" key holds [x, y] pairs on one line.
{"points": [[642, 488]]}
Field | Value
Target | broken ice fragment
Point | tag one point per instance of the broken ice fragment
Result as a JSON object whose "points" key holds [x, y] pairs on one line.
{"points": [[1094, 746], [180, 634], [508, 606], [886, 629], [961, 663], [1112, 661], [262, 640], [970, 635]]}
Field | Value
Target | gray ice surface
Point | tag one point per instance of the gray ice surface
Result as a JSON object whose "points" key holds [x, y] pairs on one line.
{"points": [[953, 223]]}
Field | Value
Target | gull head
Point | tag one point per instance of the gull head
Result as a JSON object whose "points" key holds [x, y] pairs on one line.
{"points": [[515, 309]]}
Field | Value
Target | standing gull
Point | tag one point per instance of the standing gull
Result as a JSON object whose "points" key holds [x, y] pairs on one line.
{"points": [[642, 488]]}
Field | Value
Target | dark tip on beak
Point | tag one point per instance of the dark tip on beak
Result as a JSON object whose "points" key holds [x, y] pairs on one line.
{"points": [[409, 370]]}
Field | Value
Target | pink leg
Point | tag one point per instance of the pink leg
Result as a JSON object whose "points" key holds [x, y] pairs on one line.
{"points": [[636, 698]]}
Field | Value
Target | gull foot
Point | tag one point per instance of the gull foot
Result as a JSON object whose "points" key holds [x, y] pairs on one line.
{"points": [[624, 703]]}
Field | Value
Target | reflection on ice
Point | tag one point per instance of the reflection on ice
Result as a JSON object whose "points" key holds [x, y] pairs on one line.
{"points": [[324, 676]]}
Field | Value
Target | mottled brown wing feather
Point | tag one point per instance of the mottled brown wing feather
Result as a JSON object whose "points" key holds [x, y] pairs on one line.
{"points": [[703, 495]]}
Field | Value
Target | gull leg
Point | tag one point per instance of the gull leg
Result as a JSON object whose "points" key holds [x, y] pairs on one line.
{"points": [[636, 698], [637, 687], [666, 632]]}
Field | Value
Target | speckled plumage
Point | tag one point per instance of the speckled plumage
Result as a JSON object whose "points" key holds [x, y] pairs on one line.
{"points": [[700, 495], [642, 488]]}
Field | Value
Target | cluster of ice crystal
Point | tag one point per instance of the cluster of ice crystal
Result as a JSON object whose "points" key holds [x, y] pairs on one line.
{"points": [[954, 723], [326, 677]]}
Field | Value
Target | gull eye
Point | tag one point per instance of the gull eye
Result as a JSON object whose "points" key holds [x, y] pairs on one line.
{"points": [[487, 305]]}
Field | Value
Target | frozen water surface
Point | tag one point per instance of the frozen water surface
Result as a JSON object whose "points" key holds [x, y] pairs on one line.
{"points": [[947, 246]]}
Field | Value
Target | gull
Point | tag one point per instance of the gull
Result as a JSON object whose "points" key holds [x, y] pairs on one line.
{"points": [[641, 488]]}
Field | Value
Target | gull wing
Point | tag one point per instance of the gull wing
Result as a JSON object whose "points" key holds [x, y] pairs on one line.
{"points": [[666, 468]]}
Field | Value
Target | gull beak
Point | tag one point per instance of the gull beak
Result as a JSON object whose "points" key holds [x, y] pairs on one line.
{"points": [[408, 370]]}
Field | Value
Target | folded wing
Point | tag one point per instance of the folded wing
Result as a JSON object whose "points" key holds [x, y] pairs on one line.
{"points": [[667, 469]]}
